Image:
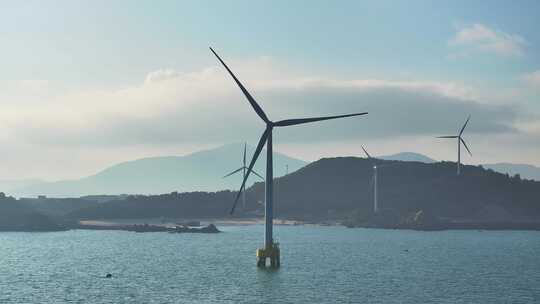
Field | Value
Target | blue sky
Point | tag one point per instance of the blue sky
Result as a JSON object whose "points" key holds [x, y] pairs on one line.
{"points": [[106, 38], [75, 52]]}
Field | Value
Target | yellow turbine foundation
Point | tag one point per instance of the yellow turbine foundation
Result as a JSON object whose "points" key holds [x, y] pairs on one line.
{"points": [[272, 253]]}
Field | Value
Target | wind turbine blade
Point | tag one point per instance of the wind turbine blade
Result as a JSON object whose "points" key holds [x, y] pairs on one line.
{"points": [[464, 125], [253, 171], [258, 150], [251, 100], [235, 171], [369, 156], [245, 147], [449, 136], [292, 122], [464, 144]]}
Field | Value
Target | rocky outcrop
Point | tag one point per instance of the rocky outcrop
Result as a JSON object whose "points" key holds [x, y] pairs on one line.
{"points": [[185, 229]]}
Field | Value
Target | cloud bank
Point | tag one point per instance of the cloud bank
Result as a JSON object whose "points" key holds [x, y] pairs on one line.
{"points": [[207, 107], [169, 111]]}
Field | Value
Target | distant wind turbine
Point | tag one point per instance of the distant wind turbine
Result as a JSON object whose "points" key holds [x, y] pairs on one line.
{"points": [[460, 141], [243, 169], [271, 249], [374, 180]]}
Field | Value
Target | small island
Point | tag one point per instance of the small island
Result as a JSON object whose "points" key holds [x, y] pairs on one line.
{"points": [[140, 228]]}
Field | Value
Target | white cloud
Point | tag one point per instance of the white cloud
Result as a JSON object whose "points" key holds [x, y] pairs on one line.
{"points": [[532, 79], [479, 37], [160, 75], [446, 89]]}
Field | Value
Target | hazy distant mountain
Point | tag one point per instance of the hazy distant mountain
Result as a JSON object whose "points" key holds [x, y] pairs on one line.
{"points": [[199, 171], [8, 186], [525, 171], [408, 156]]}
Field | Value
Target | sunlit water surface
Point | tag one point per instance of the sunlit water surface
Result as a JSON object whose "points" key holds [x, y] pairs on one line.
{"points": [[319, 265]]}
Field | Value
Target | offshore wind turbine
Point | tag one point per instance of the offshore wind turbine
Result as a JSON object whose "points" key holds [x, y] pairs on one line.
{"points": [[271, 249], [243, 169], [460, 141]]}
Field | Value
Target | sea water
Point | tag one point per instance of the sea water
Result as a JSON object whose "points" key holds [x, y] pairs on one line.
{"points": [[319, 265]]}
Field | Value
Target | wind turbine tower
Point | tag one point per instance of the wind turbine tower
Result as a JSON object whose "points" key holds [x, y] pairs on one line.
{"points": [[243, 169], [460, 141], [271, 249], [375, 186]]}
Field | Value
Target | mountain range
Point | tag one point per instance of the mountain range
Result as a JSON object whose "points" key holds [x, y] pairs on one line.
{"points": [[524, 170], [412, 195], [199, 171], [8, 186]]}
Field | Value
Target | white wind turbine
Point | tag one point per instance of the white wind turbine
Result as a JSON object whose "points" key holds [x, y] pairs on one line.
{"points": [[374, 179], [244, 169], [460, 141]]}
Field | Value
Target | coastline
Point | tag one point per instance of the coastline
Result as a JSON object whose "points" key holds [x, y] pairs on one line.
{"points": [[441, 226], [501, 226], [171, 225]]}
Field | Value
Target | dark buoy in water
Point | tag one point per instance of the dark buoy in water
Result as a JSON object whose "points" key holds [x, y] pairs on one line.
{"points": [[108, 276]]}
